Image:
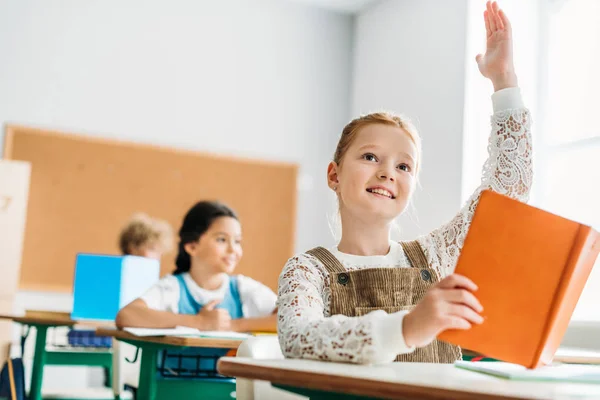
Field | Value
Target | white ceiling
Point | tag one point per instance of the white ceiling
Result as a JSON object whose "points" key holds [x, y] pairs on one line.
{"points": [[345, 6]]}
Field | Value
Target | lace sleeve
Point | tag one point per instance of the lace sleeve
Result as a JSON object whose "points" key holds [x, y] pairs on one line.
{"points": [[304, 329], [508, 170]]}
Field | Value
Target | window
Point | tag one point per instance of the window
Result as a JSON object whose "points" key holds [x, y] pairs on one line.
{"points": [[567, 155], [557, 57]]}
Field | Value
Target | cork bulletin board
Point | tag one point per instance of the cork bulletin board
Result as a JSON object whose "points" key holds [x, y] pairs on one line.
{"points": [[84, 189]]}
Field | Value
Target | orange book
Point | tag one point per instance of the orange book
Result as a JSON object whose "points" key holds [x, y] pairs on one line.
{"points": [[530, 267]]}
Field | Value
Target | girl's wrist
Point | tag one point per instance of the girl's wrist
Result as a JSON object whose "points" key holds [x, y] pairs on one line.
{"points": [[504, 81], [191, 320], [239, 325], [407, 330]]}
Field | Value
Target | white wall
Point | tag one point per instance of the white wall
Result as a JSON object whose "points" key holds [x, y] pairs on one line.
{"points": [[409, 58], [265, 79]]}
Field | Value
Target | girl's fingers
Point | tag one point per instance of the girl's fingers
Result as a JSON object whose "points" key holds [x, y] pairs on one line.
{"points": [[456, 281], [505, 21], [453, 322], [491, 17], [486, 17], [498, 21], [465, 312], [464, 297]]}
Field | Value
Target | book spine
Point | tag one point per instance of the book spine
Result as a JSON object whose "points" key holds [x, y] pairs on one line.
{"points": [[575, 274]]}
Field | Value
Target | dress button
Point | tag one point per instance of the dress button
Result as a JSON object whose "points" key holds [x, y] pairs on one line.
{"points": [[426, 275], [343, 278]]}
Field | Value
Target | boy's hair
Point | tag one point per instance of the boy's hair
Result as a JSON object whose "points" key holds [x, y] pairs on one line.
{"points": [[386, 118], [142, 230]]}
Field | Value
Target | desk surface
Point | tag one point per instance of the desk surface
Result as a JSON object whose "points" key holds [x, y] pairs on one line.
{"points": [[427, 381], [186, 341], [53, 318], [576, 356]]}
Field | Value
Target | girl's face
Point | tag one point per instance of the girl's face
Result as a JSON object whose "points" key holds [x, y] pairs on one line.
{"points": [[375, 178], [219, 249]]}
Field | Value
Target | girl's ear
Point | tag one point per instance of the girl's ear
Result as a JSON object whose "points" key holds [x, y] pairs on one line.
{"points": [[332, 176], [190, 248]]}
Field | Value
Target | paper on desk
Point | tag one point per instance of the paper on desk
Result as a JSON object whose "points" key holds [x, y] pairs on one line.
{"points": [[178, 331], [223, 335], [186, 332], [560, 372]]}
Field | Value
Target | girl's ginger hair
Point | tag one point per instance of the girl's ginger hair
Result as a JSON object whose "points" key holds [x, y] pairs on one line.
{"points": [[349, 135], [141, 230], [386, 118]]}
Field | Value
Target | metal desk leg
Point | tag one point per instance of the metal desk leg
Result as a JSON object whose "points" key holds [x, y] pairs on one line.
{"points": [[117, 375], [147, 384], [39, 361]]}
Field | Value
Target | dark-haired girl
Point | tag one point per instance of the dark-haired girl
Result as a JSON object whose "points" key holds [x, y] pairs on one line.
{"points": [[202, 292]]}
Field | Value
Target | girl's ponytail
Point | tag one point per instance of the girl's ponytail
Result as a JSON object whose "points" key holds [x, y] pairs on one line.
{"points": [[183, 261]]}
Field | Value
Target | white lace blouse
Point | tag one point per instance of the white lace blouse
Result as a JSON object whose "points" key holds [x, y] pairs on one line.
{"points": [[305, 327]]}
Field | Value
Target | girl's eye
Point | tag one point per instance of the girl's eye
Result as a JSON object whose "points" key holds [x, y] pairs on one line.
{"points": [[404, 167], [238, 242], [221, 240], [369, 157]]}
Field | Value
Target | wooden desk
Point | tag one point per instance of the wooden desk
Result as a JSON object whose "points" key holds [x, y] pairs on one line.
{"points": [[42, 320], [53, 318], [149, 389], [322, 380], [571, 355], [41, 317], [173, 341]]}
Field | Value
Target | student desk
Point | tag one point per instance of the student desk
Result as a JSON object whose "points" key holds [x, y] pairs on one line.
{"points": [[42, 320], [150, 388], [323, 380], [572, 355]]}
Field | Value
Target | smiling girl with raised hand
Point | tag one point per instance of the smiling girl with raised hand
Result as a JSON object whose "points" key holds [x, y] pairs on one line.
{"points": [[372, 300]]}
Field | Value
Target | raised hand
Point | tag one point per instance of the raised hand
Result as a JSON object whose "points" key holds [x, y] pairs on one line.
{"points": [[497, 62]]}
